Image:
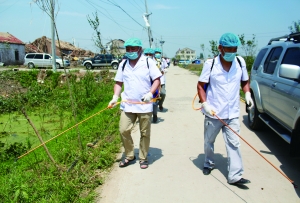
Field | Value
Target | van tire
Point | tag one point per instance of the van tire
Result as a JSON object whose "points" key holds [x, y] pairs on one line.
{"points": [[115, 66], [255, 123], [30, 65], [295, 142]]}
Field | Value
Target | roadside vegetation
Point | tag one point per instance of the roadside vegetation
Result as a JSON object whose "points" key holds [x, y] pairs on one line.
{"points": [[69, 167]]}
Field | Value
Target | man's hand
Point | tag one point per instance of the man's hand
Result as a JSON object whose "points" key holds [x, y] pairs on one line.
{"points": [[113, 102], [147, 97], [249, 100], [207, 109]]}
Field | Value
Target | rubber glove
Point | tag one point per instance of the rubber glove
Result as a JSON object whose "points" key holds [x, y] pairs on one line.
{"points": [[249, 100], [147, 97], [113, 102], [207, 109]]}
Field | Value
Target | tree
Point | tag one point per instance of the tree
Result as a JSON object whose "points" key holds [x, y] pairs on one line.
{"points": [[203, 50], [249, 47], [97, 39], [295, 27], [201, 56], [214, 47]]}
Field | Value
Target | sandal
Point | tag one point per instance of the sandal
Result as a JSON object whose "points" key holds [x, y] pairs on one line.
{"points": [[125, 163], [143, 164]]}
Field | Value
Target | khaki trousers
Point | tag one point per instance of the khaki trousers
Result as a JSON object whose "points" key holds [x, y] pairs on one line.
{"points": [[127, 122]]}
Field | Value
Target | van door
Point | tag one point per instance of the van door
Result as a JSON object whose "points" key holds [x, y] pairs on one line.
{"points": [[47, 62], [38, 60], [269, 77], [285, 93]]}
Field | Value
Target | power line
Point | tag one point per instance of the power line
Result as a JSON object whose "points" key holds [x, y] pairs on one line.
{"points": [[126, 13]]}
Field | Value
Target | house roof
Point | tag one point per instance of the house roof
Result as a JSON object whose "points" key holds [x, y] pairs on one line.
{"points": [[9, 38]]}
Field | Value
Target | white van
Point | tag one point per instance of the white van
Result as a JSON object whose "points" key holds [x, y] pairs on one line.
{"points": [[43, 60]]}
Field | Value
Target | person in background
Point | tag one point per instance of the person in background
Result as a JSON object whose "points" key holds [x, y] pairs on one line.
{"points": [[162, 65], [224, 75], [141, 78], [168, 62], [150, 53]]}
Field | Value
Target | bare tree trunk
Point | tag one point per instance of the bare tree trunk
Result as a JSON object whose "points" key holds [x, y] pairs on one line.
{"points": [[39, 136]]}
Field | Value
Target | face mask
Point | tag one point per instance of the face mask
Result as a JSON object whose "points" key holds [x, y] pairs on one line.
{"points": [[229, 56], [149, 56], [132, 55], [157, 56]]}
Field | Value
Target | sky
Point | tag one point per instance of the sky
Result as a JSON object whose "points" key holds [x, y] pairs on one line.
{"points": [[181, 24]]}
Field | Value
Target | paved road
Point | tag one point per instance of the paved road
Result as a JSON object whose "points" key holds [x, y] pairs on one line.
{"points": [[176, 159]]}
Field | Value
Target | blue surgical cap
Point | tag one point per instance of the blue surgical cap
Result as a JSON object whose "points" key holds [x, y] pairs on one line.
{"points": [[229, 40], [148, 51], [133, 42], [157, 50]]}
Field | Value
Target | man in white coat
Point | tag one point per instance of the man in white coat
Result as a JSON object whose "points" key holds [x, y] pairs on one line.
{"points": [[141, 78], [223, 76]]}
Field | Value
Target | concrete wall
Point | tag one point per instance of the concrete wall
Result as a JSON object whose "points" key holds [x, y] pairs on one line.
{"points": [[12, 54]]}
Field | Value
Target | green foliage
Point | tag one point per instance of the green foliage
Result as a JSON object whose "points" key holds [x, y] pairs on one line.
{"points": [[295, 27], [34, 178], [95, 23], [214, 47], [248, 46]]}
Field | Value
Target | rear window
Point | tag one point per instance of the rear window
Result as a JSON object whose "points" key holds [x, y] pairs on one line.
{"points": [[38, 56], [292, 56], [259, 58]]}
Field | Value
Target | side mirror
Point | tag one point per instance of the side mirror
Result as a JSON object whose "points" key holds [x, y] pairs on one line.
{"points": [[290, 71]]}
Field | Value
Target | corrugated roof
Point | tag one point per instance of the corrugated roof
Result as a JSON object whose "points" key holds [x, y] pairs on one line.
{"points": [[9, 38]]}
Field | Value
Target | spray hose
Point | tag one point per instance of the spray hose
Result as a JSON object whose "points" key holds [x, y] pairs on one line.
{"points": [[77, 124], [225, 124]]}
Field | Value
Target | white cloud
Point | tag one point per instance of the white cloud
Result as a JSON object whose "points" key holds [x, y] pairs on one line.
{"points": [[163, 7]]}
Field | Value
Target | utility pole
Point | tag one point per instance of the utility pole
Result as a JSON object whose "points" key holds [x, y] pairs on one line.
{"points": [[161, 44], [148, 25], [53, 37]]}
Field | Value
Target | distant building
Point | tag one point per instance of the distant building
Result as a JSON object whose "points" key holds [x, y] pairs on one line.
{"points": [[12, 50], [116, 47], [186, 54], [43, 45]]}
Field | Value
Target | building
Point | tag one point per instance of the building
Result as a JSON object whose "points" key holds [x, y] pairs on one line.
{"points": [[68, 50], [116, 47], [12, 50], [186, 54]]}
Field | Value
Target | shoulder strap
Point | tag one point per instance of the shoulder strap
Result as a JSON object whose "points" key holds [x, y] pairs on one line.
{"points": [[124, 65], [239, 61], [212, 65], [147, 62]]}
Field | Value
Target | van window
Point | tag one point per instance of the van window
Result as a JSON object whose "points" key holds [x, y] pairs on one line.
{"points": [[30, 56], [292, 56], [272, 60], [259, 58], [38, 56], [47, 56]]}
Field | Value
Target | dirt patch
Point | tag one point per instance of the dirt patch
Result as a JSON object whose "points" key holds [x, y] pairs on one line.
{"points": [[9, 87]]}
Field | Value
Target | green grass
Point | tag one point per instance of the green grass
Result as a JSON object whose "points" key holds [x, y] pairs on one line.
{"points": [[15, 128], [78, 169]]}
